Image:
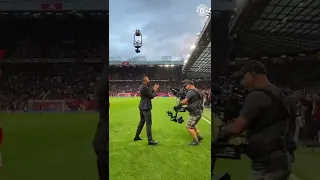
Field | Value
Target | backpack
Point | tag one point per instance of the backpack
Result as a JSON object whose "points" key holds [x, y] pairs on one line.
{"points": [[287, 103], [200, 97]]}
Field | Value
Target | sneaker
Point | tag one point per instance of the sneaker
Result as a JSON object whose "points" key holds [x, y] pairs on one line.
{"points": [[153, 143], [200, 138], [194, 143], [137, 138]]}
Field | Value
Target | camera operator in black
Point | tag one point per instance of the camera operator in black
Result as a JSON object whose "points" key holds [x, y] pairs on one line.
{"points": [[264, 118], [194, 101], [145, 106]]}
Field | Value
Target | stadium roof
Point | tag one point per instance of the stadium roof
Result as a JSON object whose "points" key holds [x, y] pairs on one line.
{"points": [[142, 60], [199, 62], [273, 28]]}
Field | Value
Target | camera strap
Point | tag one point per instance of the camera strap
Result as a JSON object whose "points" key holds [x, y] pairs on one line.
{"points": [[199, 96], [281, 108]]}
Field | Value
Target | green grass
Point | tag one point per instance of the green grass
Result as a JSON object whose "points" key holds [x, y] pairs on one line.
{"points": [[172, 159], [306, 166], [57, 146], [50, 146]]}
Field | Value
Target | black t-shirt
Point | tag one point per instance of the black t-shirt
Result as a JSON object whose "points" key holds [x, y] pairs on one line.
{"points": [[194, 102]]}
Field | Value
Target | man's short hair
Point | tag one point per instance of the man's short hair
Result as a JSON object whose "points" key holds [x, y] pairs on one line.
{"points": [[144, 76]]}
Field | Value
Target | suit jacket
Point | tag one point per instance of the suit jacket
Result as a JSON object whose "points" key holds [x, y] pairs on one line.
{"points": [[146, 94]]}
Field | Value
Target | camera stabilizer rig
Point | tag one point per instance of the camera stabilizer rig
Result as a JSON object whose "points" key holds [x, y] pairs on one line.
{"points": [[180, 94], [222, 149], [174, 117]]}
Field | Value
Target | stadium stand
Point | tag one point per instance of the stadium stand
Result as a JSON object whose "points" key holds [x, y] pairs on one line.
{"points": [[51, 57]]}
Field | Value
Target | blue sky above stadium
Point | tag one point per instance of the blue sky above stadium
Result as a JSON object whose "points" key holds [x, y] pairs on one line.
{"points": [[169, 27]]}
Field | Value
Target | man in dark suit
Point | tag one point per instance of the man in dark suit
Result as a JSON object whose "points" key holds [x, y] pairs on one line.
{"points": [[101, 139], [145, 107]]}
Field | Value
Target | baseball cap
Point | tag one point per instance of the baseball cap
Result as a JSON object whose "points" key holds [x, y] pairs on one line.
{"points": [[252, 66]]}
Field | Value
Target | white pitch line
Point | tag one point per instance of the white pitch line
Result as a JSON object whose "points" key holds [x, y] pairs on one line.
{"points": [[206, 120]]}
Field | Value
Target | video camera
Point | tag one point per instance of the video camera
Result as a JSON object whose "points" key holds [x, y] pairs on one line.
{"points": [[180, 94], [227, 102]]}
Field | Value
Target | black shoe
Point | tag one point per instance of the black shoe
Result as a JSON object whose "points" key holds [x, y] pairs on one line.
{"points": [[152, 142], [194, 143], [137, 138], [200, 138]]}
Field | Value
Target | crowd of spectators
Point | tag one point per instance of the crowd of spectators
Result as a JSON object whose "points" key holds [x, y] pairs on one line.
{"points": [[21, 82], [154, 72], [46, 81]]}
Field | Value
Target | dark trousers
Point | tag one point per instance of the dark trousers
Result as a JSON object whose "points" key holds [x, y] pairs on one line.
{"points": [[145, 118], [102, 164]]}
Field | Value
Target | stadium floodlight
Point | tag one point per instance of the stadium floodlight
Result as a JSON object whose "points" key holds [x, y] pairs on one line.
{"points": [[166, 65], [188, 55], [193, 47], [172, 65]]}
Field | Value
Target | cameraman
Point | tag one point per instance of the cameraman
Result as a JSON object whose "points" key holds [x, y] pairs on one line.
{"points": [[145, 107], [265, 119], [194, 101]]}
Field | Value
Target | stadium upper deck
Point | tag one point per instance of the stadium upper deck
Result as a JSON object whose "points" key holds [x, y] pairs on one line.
{"points": [[275, 28], [269, 30], [198, 64]]}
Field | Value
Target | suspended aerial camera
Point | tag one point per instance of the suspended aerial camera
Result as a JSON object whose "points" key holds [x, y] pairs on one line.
{"points": [[137, 40]]}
